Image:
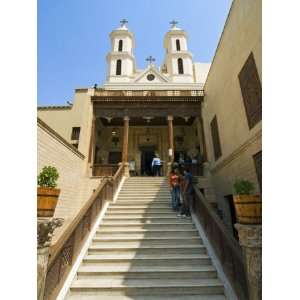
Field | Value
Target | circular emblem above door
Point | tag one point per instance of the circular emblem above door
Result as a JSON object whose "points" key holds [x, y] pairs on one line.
{"points": [[150, 77]]}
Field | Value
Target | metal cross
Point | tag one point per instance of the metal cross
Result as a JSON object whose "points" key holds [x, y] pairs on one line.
{"points": [[150, 59], [173, 23], [123, 22]]}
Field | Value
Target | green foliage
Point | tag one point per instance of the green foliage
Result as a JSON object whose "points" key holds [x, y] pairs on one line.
{"points": [[243, 187], [48, 177]]}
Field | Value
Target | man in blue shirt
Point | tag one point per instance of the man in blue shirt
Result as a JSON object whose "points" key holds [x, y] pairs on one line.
{"points": [[187, 193]]}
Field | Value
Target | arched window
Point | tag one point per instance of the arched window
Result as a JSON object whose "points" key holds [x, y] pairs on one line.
{"points": [[119, 67], [180, 66], [120, 47], [177, 45]]}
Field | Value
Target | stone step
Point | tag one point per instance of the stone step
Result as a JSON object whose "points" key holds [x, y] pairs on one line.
{"points": [[148, 260], [141, 214], [144, 220], [92, 272], [147, 233], [93, 296], [145, 241], [128, 204], [151, 287], [162, 226], [148, 250], [139, 208]]}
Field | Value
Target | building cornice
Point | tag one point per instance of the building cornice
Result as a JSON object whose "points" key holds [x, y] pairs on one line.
{"points": [[55, 107]]}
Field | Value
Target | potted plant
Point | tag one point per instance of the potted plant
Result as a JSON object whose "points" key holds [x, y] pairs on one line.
{"points": [[247, 206], [47, 194]]}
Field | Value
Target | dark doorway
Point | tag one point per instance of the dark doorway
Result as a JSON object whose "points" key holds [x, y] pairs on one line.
{"points": [[147, 155], [229, 199], [114, 157]]}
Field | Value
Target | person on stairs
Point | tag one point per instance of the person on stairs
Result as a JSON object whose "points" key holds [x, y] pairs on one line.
{"points": [[187, 192], [174, 184], [156, 165]]}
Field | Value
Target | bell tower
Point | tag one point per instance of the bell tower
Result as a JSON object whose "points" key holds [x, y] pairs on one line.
{"points": [[178, 60], [121, 61]]}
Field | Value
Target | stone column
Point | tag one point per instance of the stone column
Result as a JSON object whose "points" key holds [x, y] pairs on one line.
{"points": [[92, 141], [125, 146], [250, 241], [171, 142], [45, 229]]}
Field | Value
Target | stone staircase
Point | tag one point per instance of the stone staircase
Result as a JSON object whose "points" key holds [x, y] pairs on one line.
{"points": [[142, 250]]}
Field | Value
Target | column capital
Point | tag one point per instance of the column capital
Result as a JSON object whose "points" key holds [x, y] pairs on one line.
{"points": [[170, 118], [126, 118]]}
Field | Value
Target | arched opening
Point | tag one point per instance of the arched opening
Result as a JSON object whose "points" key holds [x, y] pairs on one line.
{"points": [[119, 67], [177, 45], [120, 46], [180, 66]]}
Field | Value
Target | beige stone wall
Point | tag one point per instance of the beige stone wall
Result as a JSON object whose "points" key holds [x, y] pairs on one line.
{"points": [[223, 98], [76, 187]]}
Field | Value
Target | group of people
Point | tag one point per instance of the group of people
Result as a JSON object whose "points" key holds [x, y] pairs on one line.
{"points": [[181, 187]]}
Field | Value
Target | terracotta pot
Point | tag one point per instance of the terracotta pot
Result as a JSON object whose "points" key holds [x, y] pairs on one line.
{"points": [[46, 201], [248, 208]]}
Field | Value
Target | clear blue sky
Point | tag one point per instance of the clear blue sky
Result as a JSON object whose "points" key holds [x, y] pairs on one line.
{"points": [[73, 37]]}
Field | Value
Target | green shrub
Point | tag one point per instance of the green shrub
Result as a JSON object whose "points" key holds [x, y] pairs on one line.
{"points": [[243, 187], [48, 177]]}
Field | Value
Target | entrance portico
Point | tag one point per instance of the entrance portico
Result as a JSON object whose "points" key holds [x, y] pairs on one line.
{"points": [[138, 123]]}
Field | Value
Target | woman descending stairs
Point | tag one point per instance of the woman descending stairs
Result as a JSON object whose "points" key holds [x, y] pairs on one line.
{"points": [[143, 251]]}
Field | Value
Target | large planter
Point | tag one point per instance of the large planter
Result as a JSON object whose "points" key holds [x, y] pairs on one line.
{"points": [[248, 209], [46, 201]]}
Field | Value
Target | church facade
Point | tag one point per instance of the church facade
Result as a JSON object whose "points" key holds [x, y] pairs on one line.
{"points": [[137, 114]]}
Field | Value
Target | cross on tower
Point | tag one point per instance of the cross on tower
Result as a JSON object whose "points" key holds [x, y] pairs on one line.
{"points": [[123, 22], [150, 59], [173, 23]]}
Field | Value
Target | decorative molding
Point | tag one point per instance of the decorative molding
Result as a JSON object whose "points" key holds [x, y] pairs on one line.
{"points": [[55, 107], [58, 137], [236, 153]]}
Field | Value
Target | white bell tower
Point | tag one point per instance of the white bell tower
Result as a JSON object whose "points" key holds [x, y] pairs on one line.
{"points": [[178, 60], [121, 61]]}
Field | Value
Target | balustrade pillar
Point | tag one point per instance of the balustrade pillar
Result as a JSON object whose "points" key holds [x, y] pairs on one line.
{"points": [[171, 142], [45, 229], [125, 146], [250, 241]]}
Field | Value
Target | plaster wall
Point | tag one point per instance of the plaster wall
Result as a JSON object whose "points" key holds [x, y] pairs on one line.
{"points": [[223, 98], [76, 188]]}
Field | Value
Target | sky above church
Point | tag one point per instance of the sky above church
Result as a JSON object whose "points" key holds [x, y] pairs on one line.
{"points": [[73, 37]]}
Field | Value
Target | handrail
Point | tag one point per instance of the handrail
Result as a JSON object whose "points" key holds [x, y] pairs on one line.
{"points": [[55, 248], [64, 252], [226, 248]]}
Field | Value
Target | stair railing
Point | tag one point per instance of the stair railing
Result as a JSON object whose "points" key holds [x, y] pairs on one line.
{"points": [[226, 248], [64, 252]]}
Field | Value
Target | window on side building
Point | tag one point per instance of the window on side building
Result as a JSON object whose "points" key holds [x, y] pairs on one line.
{"points": [[251, 91], [215, 137], [75, 133]]}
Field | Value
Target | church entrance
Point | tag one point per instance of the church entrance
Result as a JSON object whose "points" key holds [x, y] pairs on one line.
{"points": [[147, 155]]}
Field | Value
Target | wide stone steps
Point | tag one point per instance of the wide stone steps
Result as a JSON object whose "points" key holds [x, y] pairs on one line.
{"points": [[143, 251]]}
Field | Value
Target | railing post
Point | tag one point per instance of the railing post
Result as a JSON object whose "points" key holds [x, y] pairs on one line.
{"points": [[45, 229], [250, 240]]}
